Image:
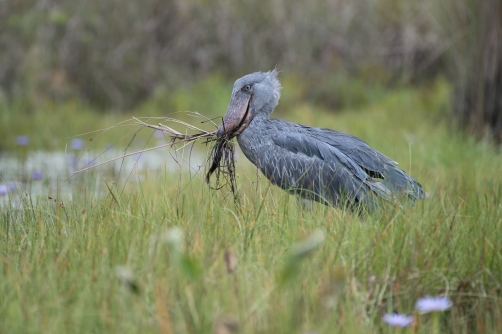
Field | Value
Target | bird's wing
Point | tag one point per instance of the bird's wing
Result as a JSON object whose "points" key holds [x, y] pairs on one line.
{"points": [[302, 164], [373, 162]]}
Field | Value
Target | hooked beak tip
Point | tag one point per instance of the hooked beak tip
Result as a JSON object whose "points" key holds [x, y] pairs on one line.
{"points": [[219, 132]]}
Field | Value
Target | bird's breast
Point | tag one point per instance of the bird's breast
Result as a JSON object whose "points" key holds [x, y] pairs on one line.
{"points": [[251, 140]]}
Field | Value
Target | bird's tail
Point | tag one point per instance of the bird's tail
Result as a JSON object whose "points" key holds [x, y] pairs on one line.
{"points": [[400, 183]]}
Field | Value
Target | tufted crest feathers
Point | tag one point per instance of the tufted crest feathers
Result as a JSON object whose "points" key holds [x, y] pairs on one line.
{"points": [[274, 82]]}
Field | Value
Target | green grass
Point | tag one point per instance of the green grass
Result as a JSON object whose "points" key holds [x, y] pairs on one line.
{"points": [[59, 261]]}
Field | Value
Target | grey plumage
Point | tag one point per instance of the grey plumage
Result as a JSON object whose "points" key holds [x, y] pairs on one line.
{"points": [[324, 165]]}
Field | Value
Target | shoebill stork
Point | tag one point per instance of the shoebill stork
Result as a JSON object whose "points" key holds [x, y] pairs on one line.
{"points": [[324, 165]]}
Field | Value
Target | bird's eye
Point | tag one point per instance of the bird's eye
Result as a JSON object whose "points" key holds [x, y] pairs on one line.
{"points": [[246, 88]]}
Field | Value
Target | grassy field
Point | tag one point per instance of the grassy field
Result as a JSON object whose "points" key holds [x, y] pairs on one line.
{"points": [[156, 260]]}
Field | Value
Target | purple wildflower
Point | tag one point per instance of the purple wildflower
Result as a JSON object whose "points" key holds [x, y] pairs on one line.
{"points": [[158, 134], [72, 160], [37, 175], [11, 186], [77, 144], [433, 304], [3, 189], [89, 162], [398, 320], [22, 140]]}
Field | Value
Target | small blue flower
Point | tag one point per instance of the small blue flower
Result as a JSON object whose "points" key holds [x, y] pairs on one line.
{"points": [[138, 157], [433, 304], [158, 134], [22, 140], [72, 160], [11, 186], [77, 144], [3, 189], [89, 162], [398, 320], [37, 175]]}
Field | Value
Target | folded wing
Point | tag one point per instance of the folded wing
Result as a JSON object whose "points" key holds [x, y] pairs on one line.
{"points": [[374, 163], [306, 165]]}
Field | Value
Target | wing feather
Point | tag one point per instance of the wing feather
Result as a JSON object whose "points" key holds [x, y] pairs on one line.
{"points": [[370, 160], [307, 166]]}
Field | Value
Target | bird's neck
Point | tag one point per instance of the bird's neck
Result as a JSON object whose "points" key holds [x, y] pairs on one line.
{"points": [[266, 110], [261, 115], [258, 121], [252, 138]]}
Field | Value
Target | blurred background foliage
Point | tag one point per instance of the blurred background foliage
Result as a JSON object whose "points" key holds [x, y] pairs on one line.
{"points": [[387, 71], [115, 55]]}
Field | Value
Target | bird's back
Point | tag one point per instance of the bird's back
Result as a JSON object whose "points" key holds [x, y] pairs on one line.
{"points": [[324, 165]]}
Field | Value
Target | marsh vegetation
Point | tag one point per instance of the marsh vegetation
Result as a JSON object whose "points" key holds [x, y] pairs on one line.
{"points": [[170, 255]]}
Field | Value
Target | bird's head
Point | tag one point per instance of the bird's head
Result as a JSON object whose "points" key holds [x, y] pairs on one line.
{"points": [[253, 94]]}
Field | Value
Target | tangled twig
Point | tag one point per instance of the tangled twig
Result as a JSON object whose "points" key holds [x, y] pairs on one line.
{"points": [[222, 153]]}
